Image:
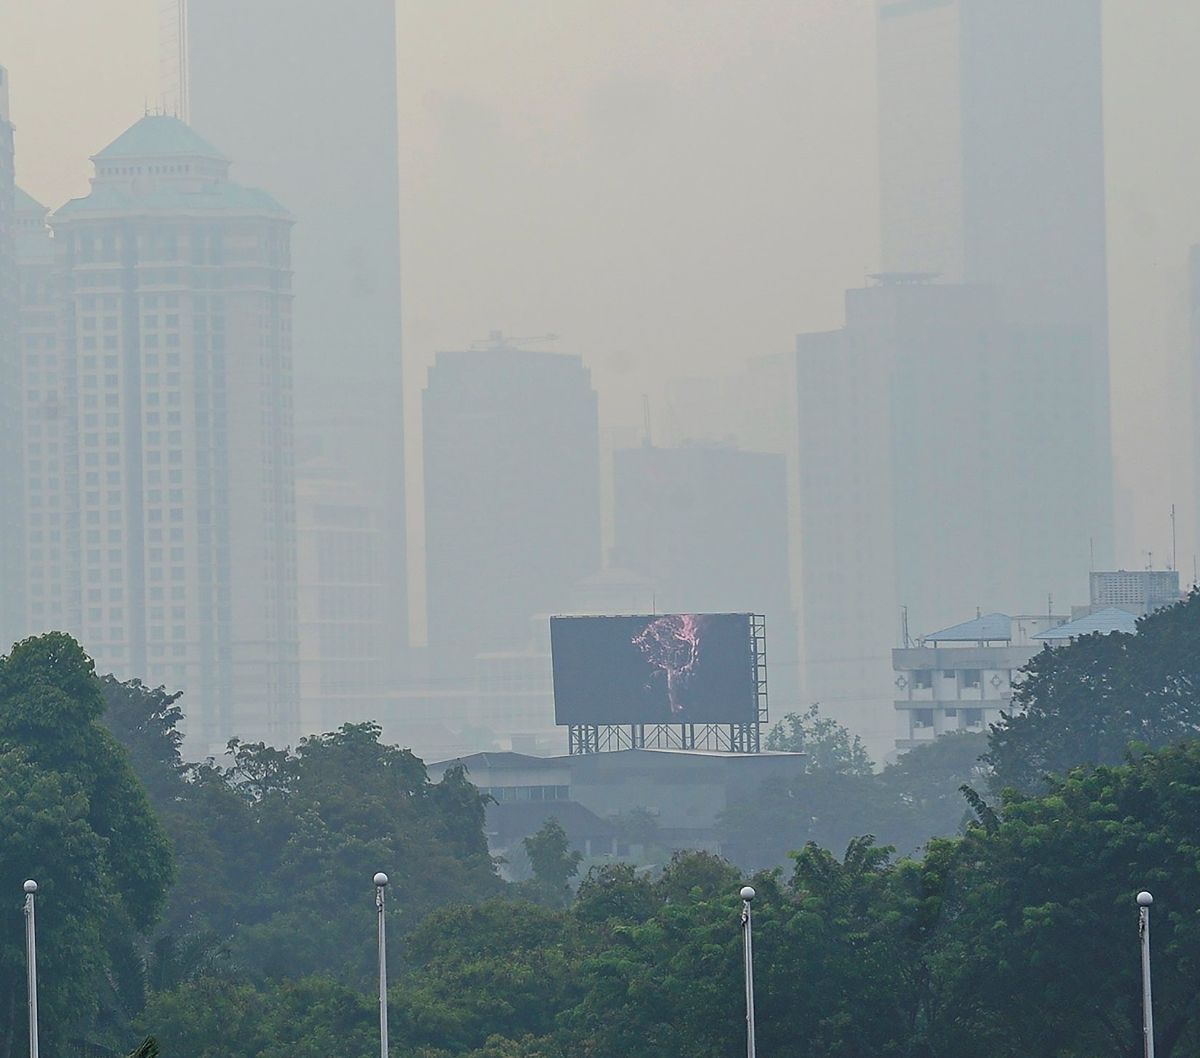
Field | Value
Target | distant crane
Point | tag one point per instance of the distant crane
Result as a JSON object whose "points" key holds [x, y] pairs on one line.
{"points": [[500, 340]]}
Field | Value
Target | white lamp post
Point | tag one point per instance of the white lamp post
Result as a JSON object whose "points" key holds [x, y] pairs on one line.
{"points": [[747, 894], [1144, 900], [381, 881], [30, 888]]}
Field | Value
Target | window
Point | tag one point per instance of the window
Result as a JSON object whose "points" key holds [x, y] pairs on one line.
{"points": [[922, 718], [922, 679], [970, 678], [973, 717]]}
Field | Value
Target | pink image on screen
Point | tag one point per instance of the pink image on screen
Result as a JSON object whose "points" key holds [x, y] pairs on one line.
{"points": [[672, 644]]}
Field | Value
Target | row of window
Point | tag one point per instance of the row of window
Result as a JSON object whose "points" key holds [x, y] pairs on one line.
{"points": [[504, 794], [922, 679]]}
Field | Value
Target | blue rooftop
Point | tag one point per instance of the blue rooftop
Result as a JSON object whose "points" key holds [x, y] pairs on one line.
{"points": [[991, 627], [1110, 619]]}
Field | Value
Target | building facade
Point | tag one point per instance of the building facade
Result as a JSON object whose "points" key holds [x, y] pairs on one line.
{"points": [[512, 498], [343, 630], [12, 515], [706, 526], [955, 442], [159, 445], [1139, 591], [961, 678], [991, 136], [303, 93], [947, 459]]}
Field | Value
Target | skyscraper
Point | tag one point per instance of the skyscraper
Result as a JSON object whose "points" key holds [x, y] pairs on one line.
{"points": [[954, 437], [707, 527], [991, 137], [303, 94], [512, 496], [11, 513], [947, 463], [160, 461]]}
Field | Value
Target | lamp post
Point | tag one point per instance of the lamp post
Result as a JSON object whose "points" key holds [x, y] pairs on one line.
{"points": [[30, 888], [1144, 900], [747, 894], [381, 881]]}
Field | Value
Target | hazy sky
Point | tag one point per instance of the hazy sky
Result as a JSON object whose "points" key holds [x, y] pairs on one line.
{"points": [[673, 185]]}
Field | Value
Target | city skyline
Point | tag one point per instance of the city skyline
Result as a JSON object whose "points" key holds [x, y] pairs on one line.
{"points": [[976, 230], [451, 101]]}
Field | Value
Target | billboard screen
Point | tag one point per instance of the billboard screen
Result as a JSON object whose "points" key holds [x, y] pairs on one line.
{"points": [[659, 669]]}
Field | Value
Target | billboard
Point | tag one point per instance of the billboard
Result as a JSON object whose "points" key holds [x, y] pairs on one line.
{"points": [[654, 669]]}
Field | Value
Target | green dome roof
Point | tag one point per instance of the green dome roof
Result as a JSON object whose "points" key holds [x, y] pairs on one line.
{"points": [[160, 135]]}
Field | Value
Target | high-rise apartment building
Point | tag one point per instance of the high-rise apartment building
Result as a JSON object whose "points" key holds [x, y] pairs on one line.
{"points": [[303, 94], [11, 513], [706, 526], [512, 496], [160, 466]]}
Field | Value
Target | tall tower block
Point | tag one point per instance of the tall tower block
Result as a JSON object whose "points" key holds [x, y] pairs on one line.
{"points": [[303, 94]]}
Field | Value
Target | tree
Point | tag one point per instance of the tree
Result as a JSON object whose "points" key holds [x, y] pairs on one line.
{"points": [[77, 820], [553, 861], [1086, 702], [829, 745]]}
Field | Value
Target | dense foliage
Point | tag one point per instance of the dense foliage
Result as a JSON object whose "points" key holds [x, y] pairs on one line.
{"points": [[1085, 703], [1018, 938], [74, 818], [1013, 934], [840, 795]]}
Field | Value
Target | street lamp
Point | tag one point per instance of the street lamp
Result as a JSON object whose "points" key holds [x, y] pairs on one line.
{"points": [[747, 894], [1144, 900], [381, 881], [30, 888]]}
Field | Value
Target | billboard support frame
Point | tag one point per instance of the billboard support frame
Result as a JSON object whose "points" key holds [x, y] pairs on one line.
{"points": [[729, 738]]}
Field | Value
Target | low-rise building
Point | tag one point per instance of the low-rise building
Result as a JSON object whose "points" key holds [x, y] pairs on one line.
{"points": [[960, 678]]}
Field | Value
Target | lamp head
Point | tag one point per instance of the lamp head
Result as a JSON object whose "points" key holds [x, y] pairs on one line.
{"points": [[30, 886], [381, 880], [1144, 899], [748, 893]]}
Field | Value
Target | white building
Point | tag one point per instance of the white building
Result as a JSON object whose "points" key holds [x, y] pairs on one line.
{"points": [[959, 679], [160, 485]]}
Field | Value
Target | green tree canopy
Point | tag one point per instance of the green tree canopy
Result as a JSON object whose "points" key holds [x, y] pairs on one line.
{"points": [[74, 817], [1088, 701]]}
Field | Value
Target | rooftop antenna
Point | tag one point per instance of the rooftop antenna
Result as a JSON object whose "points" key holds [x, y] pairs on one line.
{"points": [[904, 627], [173, 57]]}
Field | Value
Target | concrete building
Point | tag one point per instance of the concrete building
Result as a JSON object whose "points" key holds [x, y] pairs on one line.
{"points": [[11, 508], [51, 596], [954, 436], [683, 791], [947, 458], [303, 94], [1138, 591], [991, 137], [165, 487], [960, 678], [343, 630], [707, 527], [512, 498]]}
